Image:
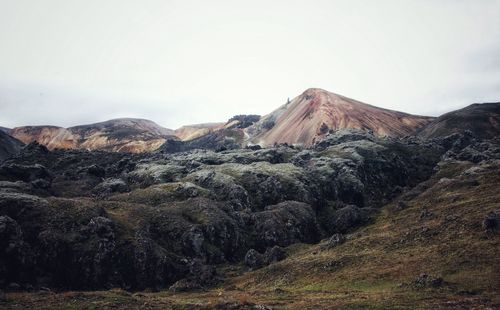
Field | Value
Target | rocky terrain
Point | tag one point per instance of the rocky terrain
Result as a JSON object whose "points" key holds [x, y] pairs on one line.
{"points": [[118, 135], [357, 219], [231, 135]]}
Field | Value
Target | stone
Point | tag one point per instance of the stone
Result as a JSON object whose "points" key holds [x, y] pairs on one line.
{"points": [[492, 221], [425, 280], [334, 241]]}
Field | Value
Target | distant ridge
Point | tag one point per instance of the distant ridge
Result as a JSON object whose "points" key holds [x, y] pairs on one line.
{"points": [[119, 135], [483, 120]]}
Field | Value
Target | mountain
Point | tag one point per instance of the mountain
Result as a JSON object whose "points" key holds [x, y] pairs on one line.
{"points": [[483, 120], [219, 139], [314, 113], [215, 136], [121, 135], [8, 146], [190, 132], [4, 129]]}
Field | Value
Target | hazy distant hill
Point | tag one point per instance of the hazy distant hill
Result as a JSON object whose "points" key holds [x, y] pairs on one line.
{"points": [[123, 135], [482, 119]]}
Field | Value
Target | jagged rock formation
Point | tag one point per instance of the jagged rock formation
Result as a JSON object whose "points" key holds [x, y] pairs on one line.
{"points": [[158, 215], [118, 135], [221, 139], [230, 135], [316, 112], [8, 146], [242, 121], [483, 120]]}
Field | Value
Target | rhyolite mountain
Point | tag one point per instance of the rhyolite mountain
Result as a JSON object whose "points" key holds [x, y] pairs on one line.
{"points": [[309, 117], [118, 135], [481, 119], [306, 119]]}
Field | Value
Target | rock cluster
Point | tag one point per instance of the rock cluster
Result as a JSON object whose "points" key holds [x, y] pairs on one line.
{"points": [[88, 220]]}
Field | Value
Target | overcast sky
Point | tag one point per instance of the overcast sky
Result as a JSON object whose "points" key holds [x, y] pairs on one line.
{"points": [[72, 62]]}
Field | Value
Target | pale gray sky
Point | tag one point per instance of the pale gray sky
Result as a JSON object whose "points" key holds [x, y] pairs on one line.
{"points": [[70, 62]]}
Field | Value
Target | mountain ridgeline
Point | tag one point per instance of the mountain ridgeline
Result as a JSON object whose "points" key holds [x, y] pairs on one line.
{"points": [[303, 121], [325, 202], [118, 135]]}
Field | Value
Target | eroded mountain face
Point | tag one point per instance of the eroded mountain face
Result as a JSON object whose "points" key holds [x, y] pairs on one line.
{"points": [[86, 220], [316, 112], [119, 135]]}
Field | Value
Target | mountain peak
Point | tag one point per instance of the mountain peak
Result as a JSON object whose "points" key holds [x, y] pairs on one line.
{"points": [[311, 115]]}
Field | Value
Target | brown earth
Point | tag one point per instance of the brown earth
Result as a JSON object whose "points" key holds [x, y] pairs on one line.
{"points": [[190, 132], [118, 135], [314, 113]]}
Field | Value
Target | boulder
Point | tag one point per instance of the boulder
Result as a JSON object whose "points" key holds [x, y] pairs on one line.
{"points": [[111, 185], [255, 260], [348, 218], [26, 173], [334, 241], [284, 224], [424, 280], [492, 221], [200, 276], [14, 252]]}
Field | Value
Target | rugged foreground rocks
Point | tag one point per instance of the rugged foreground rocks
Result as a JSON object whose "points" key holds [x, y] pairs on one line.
{"points": [[96, 220], [8, 146]]}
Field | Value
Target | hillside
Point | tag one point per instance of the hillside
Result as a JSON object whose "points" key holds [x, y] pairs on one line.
{"points": [[119, 135], [314, 113], [437, 229], [190, 132], [483, 120]]}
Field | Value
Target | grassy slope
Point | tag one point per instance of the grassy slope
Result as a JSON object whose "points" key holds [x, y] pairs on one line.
{"points": [[372, 269]]}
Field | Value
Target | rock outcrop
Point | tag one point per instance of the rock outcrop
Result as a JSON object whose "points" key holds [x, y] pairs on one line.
{"points": [[86, 220]]}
